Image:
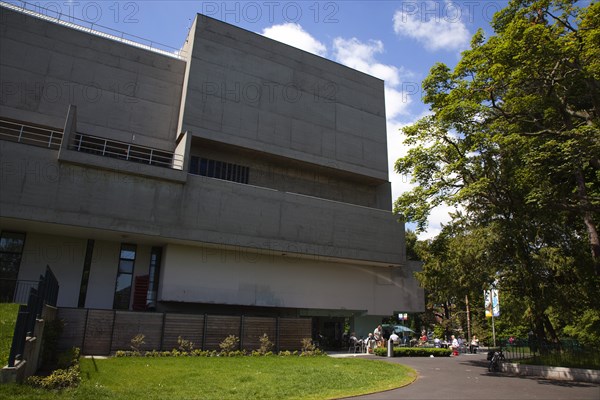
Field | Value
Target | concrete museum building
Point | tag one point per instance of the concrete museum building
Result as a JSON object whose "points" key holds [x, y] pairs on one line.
{"points": [[237, 176]]}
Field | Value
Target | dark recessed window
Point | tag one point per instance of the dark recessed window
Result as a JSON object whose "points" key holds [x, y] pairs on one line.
{"points": [[219, 170], [85, 276], [11, 251], [154, 274], [124, 277]]}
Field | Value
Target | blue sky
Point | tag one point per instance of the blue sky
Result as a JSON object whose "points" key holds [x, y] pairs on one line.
{"points": [[398, 41]]}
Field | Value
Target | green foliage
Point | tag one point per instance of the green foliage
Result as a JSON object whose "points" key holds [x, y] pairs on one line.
{"points": [[411, 246], [415, 352], [585, 360], [52, 331], [230, 343], [185, 345], [265, 344], [137, 341], [8, 318], [62, 378], [586, 328], [514, 144], [309, 348]]}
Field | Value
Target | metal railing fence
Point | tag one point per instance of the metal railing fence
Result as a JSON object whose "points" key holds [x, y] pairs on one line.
{"points": [[126, 151], [45, 293], [67, 19], [29, 134]]}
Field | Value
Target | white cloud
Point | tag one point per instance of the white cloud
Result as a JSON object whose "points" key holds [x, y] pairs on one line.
{"points": [[294, 35], [362, 56], [436, 25]]}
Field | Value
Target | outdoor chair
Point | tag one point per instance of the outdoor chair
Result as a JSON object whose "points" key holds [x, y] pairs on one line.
{"points": [[355, 345]]}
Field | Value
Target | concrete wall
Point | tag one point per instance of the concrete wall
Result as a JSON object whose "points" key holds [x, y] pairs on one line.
{"points": [[330, 122], [219, 276], [122, 92], [197, 274], [65, 255], [37, 187], [247, 90], [293, 176]]}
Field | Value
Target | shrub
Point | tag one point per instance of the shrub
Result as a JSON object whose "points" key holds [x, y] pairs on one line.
{"points": [[185, 345], [415, 352], [137, 341], [309, 349], [59, 379], [52, 331], [265, 344], [230, 343], [62, 378], [308, 346]]}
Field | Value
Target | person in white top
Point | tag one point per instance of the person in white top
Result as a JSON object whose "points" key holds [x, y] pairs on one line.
{"points": [[378, 335], [474, 344], [454, 344]]}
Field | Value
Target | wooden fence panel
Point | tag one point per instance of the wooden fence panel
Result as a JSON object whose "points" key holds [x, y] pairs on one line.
{"points": [[189, 327], [73, 328], [292, 331], [254, 328], [218, 327], [98, 332], [128, 324]]}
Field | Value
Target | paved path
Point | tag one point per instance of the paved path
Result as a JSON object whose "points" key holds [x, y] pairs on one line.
{"points": [[466, 377]]}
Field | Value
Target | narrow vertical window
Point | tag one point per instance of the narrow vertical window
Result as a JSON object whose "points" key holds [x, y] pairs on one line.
{"points": [[85, 276], [124, 277], [154, 274], [11, 251]]}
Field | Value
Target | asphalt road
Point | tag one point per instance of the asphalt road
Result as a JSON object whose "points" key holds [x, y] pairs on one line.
{"points": [[466, 377]]}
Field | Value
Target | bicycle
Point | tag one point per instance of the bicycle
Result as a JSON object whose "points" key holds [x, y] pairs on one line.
{"points": [[495, 357]]}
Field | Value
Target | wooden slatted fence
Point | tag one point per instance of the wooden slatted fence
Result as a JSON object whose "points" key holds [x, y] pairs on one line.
{"points": [[100, 332]]}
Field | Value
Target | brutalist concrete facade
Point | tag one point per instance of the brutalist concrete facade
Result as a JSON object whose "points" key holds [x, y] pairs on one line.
{"points": [[308, 230]]}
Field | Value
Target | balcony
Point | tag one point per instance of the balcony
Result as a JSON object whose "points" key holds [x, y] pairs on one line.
{"points": [[126, 151], [34, 135]]}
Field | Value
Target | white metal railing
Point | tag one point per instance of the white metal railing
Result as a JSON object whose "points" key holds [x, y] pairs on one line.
{"points": [[70, 21], [29, 134], [126, 151]]}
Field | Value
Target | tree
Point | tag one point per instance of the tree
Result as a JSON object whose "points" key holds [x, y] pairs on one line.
{"points": [[514, 141], [411, 245]]}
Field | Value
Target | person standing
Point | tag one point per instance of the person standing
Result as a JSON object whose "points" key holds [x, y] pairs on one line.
{"points": [[454, 344], [378, 335], [474, 344]]}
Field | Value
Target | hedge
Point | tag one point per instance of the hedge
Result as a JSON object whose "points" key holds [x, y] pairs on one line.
{"points": [[415, 352]]}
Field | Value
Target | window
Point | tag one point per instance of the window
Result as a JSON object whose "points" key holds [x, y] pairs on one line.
{"points": [[11, 251], [219, 170], [154, 274], [124, 277], [85, 276]]}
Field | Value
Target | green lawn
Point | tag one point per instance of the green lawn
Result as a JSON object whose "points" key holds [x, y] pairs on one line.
{"points": [[8, 317], [225, 378]]}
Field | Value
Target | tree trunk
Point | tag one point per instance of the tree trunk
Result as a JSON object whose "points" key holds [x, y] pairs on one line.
{"points": [[589, 221]]}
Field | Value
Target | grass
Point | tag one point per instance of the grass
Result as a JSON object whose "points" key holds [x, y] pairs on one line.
{"points": [[225, 378], [8, 318]]}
